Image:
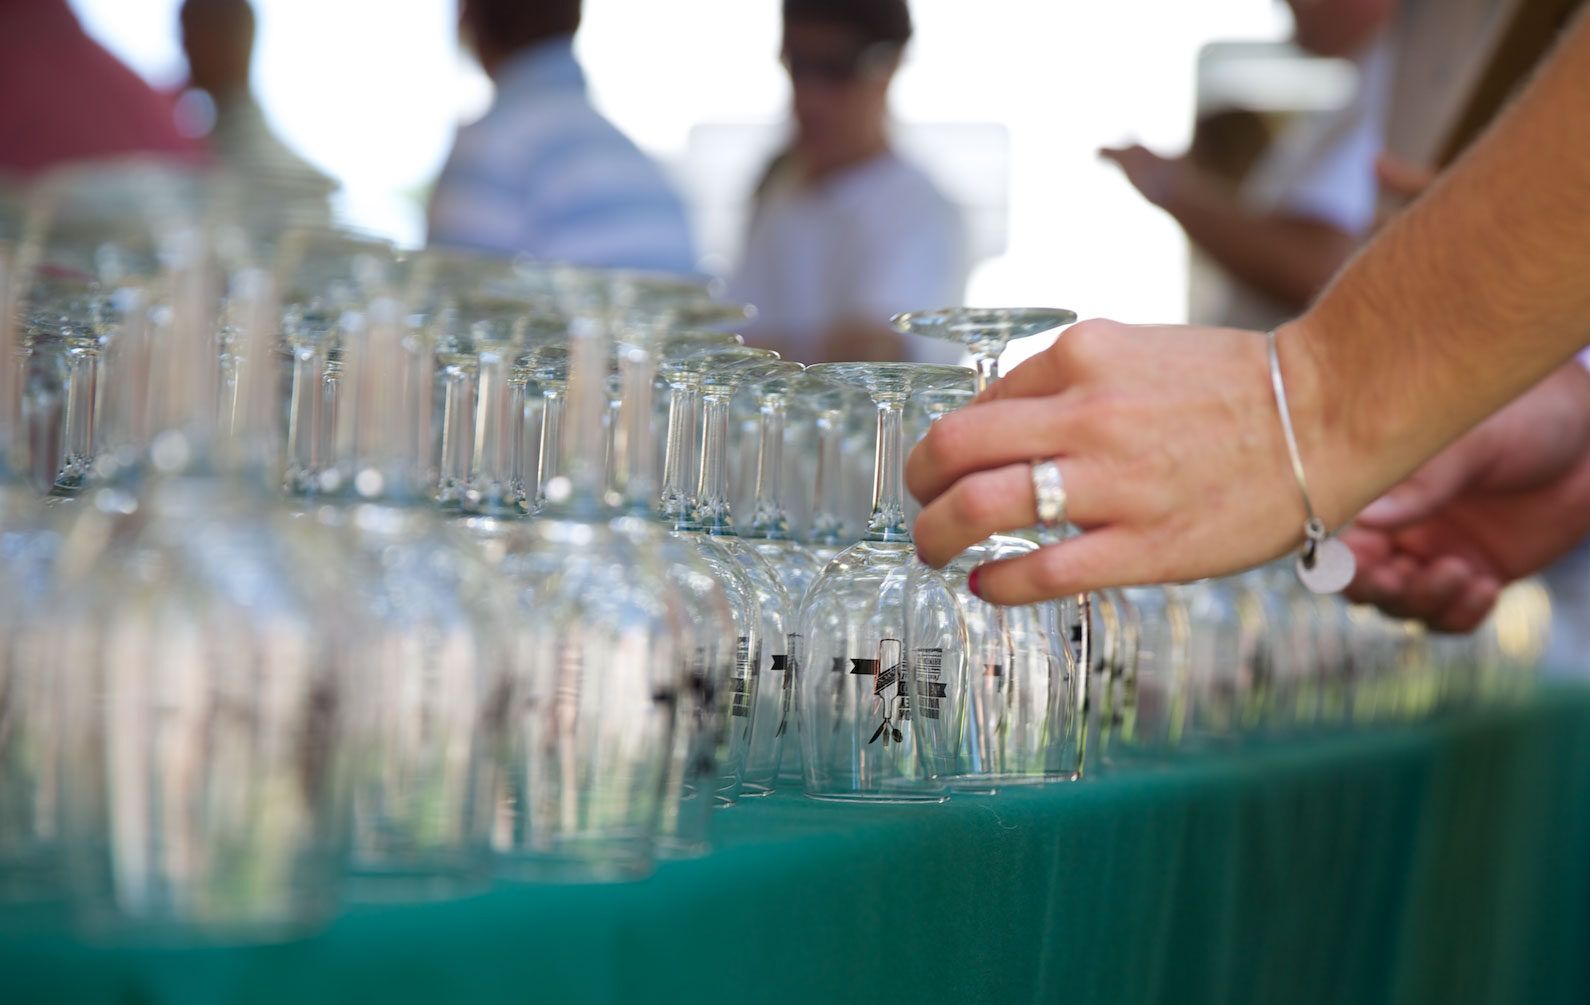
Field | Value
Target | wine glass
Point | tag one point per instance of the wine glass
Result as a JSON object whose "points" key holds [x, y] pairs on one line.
{"points": [[29, 542], [637, 307], [590, 733], [1026, 711], [1146, 706], [642, 315], [425, 732], [771, 673], [203, 648], [1025, 717], [683, 365], [985, 332], [879, 721], [1221, 661]]}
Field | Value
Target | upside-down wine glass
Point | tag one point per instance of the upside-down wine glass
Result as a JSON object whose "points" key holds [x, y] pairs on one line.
{"points": [[29, 719], [1025, 720], [204, 650], [883, 678], [1027, 685], [590, 732], [711, 514], [425, 734], [642, 307], [683, 364]]}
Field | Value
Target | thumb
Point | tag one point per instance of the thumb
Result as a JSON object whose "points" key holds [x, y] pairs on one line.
{"points": [[1053, 369]]}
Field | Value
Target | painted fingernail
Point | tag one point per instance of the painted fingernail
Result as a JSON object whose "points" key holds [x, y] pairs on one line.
{"points": [[971, 582]]}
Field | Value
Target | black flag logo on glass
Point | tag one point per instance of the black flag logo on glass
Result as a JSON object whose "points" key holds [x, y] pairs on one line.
{"points": [[886, 671]]}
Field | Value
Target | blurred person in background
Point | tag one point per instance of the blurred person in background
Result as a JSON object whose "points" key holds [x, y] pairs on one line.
{"points": [[543, 173], [844, 232], [1227, 144], [1300, 212], [65, 98], [218, 41]]}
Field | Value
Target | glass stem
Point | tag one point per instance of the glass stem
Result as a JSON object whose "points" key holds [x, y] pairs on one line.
{"points": [[828, 525], [887, 522], [256, 444], [987, 371], [303, 418], [490, 489], [610, 437], [458, 406], [126, 391], [635, 454], [582, 497], [342, 411], [711, 512], [676, 504], [386, 452], [186, 377], [336, 439], [82, 378], [518, 433], [531, 417], [768, 519], [549, 461]]}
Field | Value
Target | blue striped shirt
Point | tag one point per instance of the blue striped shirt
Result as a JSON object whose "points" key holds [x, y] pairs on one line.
{"points": [[544, 174]]}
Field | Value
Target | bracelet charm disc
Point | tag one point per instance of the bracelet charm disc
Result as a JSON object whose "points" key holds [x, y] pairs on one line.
{"points": [[1325, 565]]}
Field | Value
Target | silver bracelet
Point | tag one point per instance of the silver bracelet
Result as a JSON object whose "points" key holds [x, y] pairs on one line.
{"points": [[1325, 565]]}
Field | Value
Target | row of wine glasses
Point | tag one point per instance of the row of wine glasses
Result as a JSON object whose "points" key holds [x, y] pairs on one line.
{"points": [[350, 572]]}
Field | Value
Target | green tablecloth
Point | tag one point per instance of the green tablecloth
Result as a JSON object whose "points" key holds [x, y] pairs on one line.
{"points": [[1444, 862]]}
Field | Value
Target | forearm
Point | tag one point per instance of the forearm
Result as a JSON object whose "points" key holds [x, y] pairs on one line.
{"points": [[1288, 258], [1461, 303]]}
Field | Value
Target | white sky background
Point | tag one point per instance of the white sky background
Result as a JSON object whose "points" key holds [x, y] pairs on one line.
{"points": [[370, 91]]}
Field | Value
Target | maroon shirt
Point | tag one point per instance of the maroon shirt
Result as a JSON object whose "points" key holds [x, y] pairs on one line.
{"points": [[64, 98]]}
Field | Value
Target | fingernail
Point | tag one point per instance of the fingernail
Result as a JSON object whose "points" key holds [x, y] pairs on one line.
{"points": [[1386, 509], [971, 582]]}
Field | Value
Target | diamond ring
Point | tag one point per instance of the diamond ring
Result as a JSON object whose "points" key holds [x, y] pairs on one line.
{"points": [[1050, 491]]}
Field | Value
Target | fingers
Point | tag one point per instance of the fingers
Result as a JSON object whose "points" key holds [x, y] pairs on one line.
{"points": [[987, 436], [1436, 587], [990, 502], [1089, 561], [1402, 178], [1448, 593], [1472, 608], [1427, 489]]}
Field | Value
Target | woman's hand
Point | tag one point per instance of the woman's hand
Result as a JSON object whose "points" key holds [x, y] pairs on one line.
{"points": [[1504, 500], [1171, 450]]}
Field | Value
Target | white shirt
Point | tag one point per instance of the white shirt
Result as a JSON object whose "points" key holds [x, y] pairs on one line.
{"points": [[544, 174], [868, 243]]}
